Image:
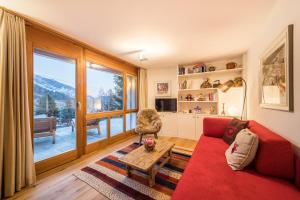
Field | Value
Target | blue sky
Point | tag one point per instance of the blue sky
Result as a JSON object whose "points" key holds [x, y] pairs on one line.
{"points": [[64, 71]]}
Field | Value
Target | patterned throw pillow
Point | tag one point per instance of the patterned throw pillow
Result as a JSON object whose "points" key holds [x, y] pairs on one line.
{"points": [[242, 151], [233, 127]]}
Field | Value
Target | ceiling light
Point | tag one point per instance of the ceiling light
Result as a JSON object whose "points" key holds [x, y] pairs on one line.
{"points": [[142, 57]]}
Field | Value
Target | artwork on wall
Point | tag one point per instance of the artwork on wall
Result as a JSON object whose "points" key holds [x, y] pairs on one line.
{"points": [[276, 73], [163, 88]]}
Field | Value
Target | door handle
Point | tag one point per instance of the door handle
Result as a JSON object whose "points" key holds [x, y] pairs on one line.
{"points": [[78, 105]]}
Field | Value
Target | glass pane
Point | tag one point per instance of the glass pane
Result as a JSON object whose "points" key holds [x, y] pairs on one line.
{"points": [[104, 89], [130, 121], [96, 130], [131, 92], [116, 125], [54, 105]]}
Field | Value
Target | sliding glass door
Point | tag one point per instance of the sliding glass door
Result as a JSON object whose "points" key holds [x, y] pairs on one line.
{"points": [[55, 88], [54, 100]]}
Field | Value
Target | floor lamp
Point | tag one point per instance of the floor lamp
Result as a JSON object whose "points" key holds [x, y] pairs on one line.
{"points": [[229, 84]]}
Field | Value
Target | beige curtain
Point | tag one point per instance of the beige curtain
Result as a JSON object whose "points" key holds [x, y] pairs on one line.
{"points": [[143, 93], [16, 155]]}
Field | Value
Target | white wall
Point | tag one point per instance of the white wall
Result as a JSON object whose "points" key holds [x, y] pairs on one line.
{"points": [[287, 124], [161, 74]]}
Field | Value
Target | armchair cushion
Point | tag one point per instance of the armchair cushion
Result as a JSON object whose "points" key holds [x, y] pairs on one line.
{"points": [[148, 121], [146, 129]]}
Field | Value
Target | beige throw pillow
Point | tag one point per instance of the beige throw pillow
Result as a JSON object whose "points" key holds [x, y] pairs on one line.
{"points": [[242, 151]]}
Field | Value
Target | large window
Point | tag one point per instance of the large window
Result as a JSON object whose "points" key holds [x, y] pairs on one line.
{"points": [[116, 125], [96, 130], [54, 105], [131, 92], [104, 89], [130, 121]]}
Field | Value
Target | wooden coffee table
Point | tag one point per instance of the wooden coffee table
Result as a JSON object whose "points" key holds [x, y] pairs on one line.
{"points": [[140, 159]]}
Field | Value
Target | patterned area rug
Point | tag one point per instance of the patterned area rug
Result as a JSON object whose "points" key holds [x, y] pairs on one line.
{"points": [[108, 176]]}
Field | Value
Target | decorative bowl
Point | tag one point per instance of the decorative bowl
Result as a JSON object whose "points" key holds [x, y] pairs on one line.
{"points": [[149, 144], [231, 65]]}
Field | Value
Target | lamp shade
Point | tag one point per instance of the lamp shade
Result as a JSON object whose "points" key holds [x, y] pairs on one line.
{"points": [[226, 86]]}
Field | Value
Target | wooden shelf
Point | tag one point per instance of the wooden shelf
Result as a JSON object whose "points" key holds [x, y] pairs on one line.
{"points": [[197, 101], [200, 89], [209, 73]]}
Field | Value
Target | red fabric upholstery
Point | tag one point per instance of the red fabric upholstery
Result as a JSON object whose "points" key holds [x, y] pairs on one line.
{"points": [[275, 155], [215, 127], [297, 176], [207, 175]]}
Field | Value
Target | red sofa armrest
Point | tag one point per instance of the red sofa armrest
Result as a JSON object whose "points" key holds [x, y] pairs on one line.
{"points": [[215, 127], [274, 156], [297, 176]]}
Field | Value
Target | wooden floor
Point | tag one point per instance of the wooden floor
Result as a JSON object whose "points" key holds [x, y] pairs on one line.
{"points": [[61, 184]]}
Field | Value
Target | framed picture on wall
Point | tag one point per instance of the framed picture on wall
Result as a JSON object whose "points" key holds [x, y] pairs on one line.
{"points": [[276, 73], [163, 89]]}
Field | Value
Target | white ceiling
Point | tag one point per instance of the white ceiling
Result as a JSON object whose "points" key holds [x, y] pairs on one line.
{"points": [[169, 32]]}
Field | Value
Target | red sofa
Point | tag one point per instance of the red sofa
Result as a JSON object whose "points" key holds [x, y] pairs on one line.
{"points": [[273, 174]]}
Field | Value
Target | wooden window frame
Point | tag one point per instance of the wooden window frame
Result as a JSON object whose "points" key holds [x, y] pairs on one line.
{"points": [[42, 37], [136, 97], [38, 39], [125, 70]]}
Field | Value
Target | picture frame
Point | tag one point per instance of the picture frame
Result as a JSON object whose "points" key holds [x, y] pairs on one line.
{"points": [[276, 73], [163, 88]]}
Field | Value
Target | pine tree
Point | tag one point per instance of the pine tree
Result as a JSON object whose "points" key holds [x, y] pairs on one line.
{"points": [[109, 100], [118, 93], [52, 108], [46, 105], [68, 112], [41, 106]]}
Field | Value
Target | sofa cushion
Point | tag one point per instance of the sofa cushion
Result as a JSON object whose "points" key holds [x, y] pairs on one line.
{"points": [[242, 151], [215, 127], [207, 176], [233, 128], [275, 156]]}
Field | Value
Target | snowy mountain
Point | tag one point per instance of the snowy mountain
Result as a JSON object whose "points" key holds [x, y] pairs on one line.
{"points": [[59, 91]]}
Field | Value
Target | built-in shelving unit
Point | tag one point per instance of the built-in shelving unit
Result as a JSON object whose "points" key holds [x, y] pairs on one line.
{"points": [[201, 89], [210, 73], [206, 101], [197, 101]]}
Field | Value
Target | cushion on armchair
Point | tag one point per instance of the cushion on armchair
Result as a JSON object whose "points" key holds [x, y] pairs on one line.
{"points": [[146, 129], [148, 121]]}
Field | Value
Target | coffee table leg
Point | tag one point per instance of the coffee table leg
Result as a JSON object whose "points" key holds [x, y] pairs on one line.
{"points": [[151, 177], [128, 169], [170, 155]]}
